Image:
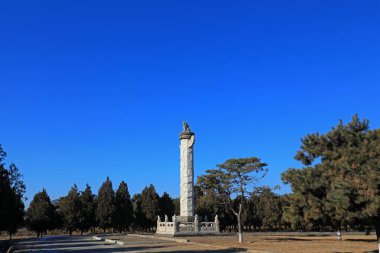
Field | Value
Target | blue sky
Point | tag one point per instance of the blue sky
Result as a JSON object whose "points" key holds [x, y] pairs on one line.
{"points": [[91, 89]]}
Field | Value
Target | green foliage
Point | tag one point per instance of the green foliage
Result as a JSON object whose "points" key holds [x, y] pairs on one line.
{"points": [[12, 190], [341, 183], [234, 178], [267, 208], [71, 210], [87, 219], [40, 213], [209, 200], [123, 216], [105, 205], [166, 205], [139, 221], [150, 205]]}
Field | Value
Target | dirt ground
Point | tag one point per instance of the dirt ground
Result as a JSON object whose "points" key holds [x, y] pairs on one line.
{"points": [[261, 242], [296, 243]]}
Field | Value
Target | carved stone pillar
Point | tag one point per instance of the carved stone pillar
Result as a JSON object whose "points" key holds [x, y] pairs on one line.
{"points": [[175, 224], [196, 224], [217, 227], [158, 223], [187, 172]]}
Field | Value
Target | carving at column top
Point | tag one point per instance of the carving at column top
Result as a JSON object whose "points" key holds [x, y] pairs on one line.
{"points": [[186, 131], [186, 127]]}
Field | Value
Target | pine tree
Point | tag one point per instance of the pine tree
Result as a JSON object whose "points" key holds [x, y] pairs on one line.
{"points": [[306, 206], [150, 205], [139, 220], [105, 205], [343, 170], [71, 210], [166, 205], [209, 201], [123, 208], [12, 190], [87, 220], [268, 207], [40, 213], [234, 178]]}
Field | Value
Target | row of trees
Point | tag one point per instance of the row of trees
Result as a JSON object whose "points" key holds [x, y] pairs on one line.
{"points": [[338, 187], [83, 211]]}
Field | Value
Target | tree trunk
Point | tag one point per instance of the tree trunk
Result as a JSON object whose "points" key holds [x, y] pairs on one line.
{"points": [[338, 234], [377, 227], [239, 230]]}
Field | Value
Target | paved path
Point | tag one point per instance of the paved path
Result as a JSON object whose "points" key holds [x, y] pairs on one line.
{"points": [[85, 244]]}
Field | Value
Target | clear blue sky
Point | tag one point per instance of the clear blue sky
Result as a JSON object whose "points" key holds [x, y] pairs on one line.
{"points": [[91, 89]]}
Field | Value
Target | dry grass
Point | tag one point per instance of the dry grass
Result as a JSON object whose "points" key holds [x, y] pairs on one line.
{"points": [[296, 243]]}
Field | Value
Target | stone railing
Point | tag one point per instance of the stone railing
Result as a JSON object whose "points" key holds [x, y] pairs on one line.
{"points": [[181, 227], [165, 227], [208, 227]]}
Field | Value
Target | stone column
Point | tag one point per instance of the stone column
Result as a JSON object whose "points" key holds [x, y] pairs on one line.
{"points": [[196, 224], [217, 226], [175, 224], [158, 223], [187, 173]]}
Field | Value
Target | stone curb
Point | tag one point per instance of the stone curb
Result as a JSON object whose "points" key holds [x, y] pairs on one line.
{"points": [[121, 243], [97, 238], [110, 241]]}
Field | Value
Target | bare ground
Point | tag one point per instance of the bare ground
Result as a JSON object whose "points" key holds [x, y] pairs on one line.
{"points": [[263, 243], [295, 243]]}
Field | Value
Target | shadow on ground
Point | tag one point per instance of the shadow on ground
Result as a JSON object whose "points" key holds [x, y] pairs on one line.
{"points": [[361, 240], [86, 245]]}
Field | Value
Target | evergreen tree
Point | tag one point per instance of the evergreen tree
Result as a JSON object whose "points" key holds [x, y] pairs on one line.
{"points": [[87, 219], [234, 178], [123, 208], [268, 208], [343, 170], [209, 201], [166, 205], [253, 219], [12, 190], [71, 210], [105, 205], [306, 206], [150, 205], [139, 220], [40, 213]]}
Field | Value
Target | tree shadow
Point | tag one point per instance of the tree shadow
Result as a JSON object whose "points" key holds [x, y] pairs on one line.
{"points": [[315, 235], [361, 240], [84, 245], [146, 248], [288, 239]]}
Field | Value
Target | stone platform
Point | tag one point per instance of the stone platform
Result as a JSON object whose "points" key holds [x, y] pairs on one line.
{"points": [[187, 226]]}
